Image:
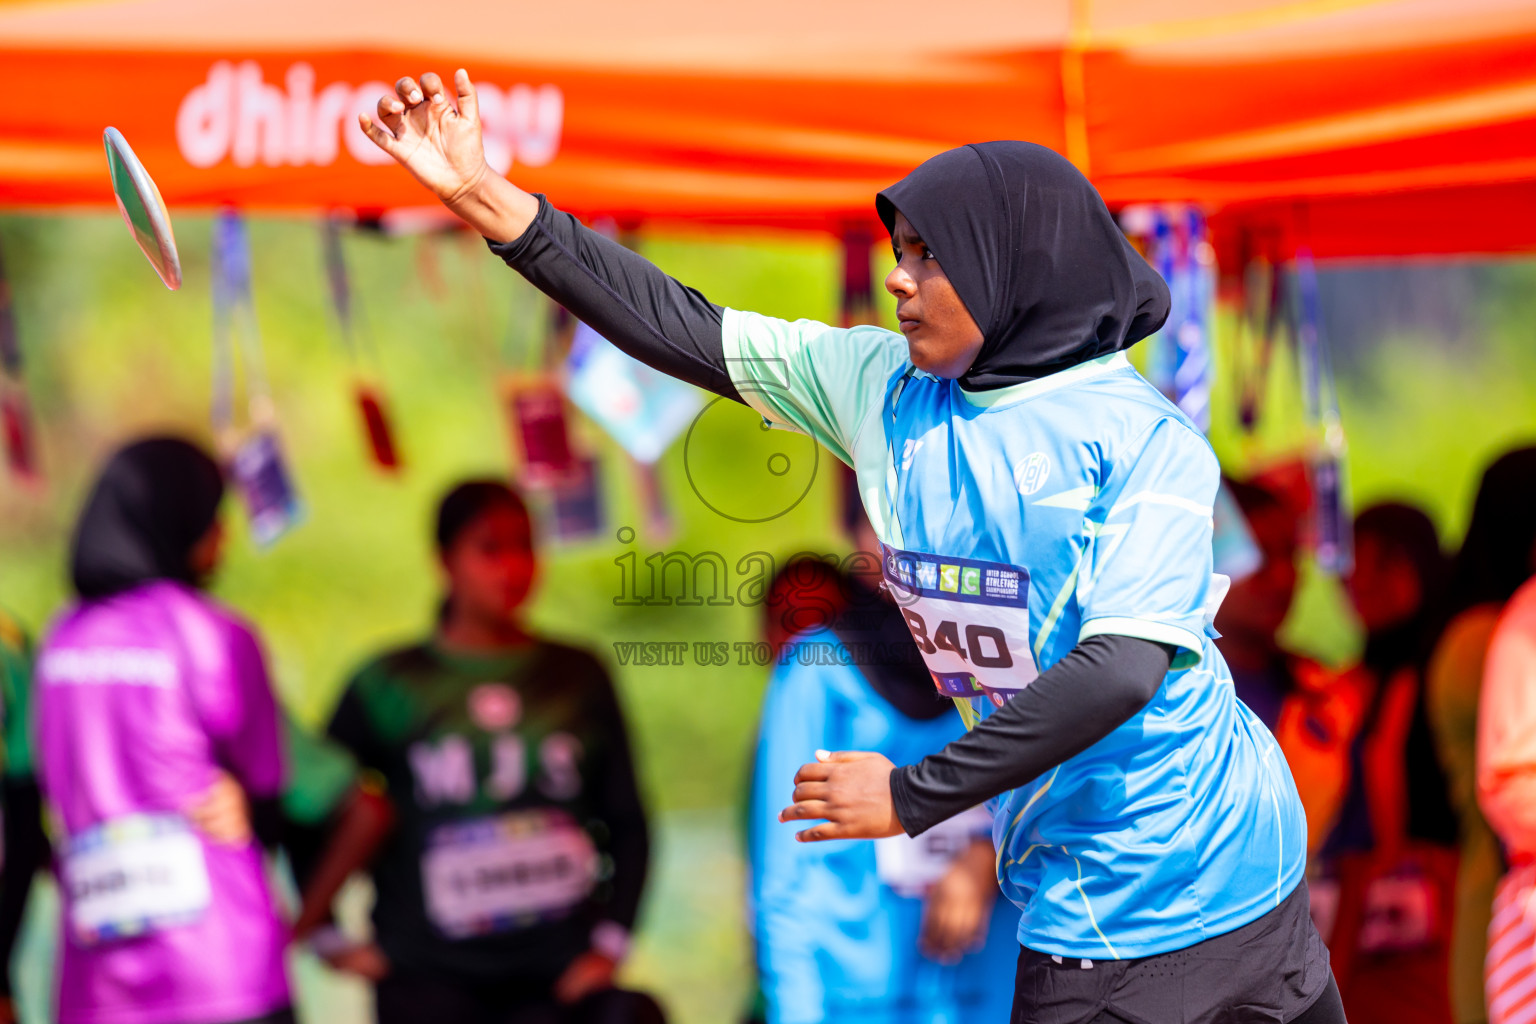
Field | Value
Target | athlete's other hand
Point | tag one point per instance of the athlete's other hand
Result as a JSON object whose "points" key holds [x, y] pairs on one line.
{"points": [[591, 972], [437, 138], [221, 812], [851, 790], [959, 905]]}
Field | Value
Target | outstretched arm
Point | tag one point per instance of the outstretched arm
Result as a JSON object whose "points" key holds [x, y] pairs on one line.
{"points": [[620, 294]]}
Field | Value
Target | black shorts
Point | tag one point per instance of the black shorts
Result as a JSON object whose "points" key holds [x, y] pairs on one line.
{"points": [[1272, 970]]}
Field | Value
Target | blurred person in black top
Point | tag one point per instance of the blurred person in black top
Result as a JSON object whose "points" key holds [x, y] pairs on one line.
{"points": [[1393, 848], [508, 888]]}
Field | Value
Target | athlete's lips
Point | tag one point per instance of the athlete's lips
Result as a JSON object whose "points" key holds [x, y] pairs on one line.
{"points": [[908, 323]]}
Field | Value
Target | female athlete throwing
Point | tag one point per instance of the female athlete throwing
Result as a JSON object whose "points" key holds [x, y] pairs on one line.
{"points": [[1045, 520]]}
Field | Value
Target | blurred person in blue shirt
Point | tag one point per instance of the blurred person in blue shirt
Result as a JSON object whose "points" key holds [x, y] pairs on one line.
{"points": [[898, 930]]}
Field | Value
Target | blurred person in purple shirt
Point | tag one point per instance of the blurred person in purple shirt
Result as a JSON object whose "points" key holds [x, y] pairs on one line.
{"points": [[153, 707]]}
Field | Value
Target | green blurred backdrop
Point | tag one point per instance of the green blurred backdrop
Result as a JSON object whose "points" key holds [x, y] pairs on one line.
{"points": [[111, 355]]}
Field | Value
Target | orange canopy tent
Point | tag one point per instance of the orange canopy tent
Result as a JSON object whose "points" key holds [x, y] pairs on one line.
{"points": [[1359, 127]]}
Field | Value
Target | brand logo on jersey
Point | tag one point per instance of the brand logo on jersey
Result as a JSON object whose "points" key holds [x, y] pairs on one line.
{"points": [[949, 578], [970, 580], [909, 452], [495, 707], [1031, 472]]}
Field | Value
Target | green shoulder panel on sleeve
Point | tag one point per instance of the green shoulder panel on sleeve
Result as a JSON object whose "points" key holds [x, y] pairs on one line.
{"points": [[820, 380], [320, 773]]}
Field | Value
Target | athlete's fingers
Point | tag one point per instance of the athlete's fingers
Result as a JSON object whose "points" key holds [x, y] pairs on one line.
{"points": [[469, 100], [843, 756], [812, 791], [432, 86], [407, 89], [806, 810], [380, 137], [813, 772], [819, 833], [392, 114]]}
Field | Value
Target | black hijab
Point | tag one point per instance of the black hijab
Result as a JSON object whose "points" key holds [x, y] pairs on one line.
{"points": [[1035, 256], [1495, 557], [152, 503]]}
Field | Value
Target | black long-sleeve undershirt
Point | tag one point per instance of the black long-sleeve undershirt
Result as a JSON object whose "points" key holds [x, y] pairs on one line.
{"points": [[1081, 699], [624, 297]]}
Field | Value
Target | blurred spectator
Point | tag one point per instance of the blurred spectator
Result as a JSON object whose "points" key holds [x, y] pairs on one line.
{"points": [[896, 930], [334, 819], [1495, 558], [1393, 849], [507, 891], [1506, 789], [805, 595], [159, 748], [1312, 711], [25, 849], [1249, 619]]}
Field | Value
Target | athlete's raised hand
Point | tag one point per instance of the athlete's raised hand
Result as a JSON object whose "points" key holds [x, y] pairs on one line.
{"points": [[851, 790], [437, 138]]}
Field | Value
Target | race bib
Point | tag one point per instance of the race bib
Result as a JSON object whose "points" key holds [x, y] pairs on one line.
{"points": [[910, 865], [496, 874], [134, 875], [970, 620]]}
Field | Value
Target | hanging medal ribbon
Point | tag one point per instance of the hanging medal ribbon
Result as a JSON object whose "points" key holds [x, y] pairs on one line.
{"points": [[369, 398], [254, 452], [566, 485], [1178, 357], [1263, 309], [1186, 251], [540, 432], [15, 411], [1332, 526], [653, 501], [577, 498]]}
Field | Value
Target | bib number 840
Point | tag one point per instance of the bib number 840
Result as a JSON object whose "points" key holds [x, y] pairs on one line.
{"points": [[946, 637]]}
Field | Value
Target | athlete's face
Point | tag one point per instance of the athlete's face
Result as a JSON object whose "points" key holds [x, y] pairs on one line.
{"points": [[942, 336], [491, 565]]}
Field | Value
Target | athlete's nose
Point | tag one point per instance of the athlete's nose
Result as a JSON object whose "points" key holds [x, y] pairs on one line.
{"points": [[899, 283]]}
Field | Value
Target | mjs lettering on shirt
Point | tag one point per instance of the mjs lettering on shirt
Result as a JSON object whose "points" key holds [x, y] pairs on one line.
{"points": [[444, 769]]}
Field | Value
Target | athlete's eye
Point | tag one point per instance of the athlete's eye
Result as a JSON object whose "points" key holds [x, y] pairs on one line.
{"points": [[928, 254]]}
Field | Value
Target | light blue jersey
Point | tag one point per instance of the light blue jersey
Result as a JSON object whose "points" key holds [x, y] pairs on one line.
{"points": [[837, 932], [1017, 523]]}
